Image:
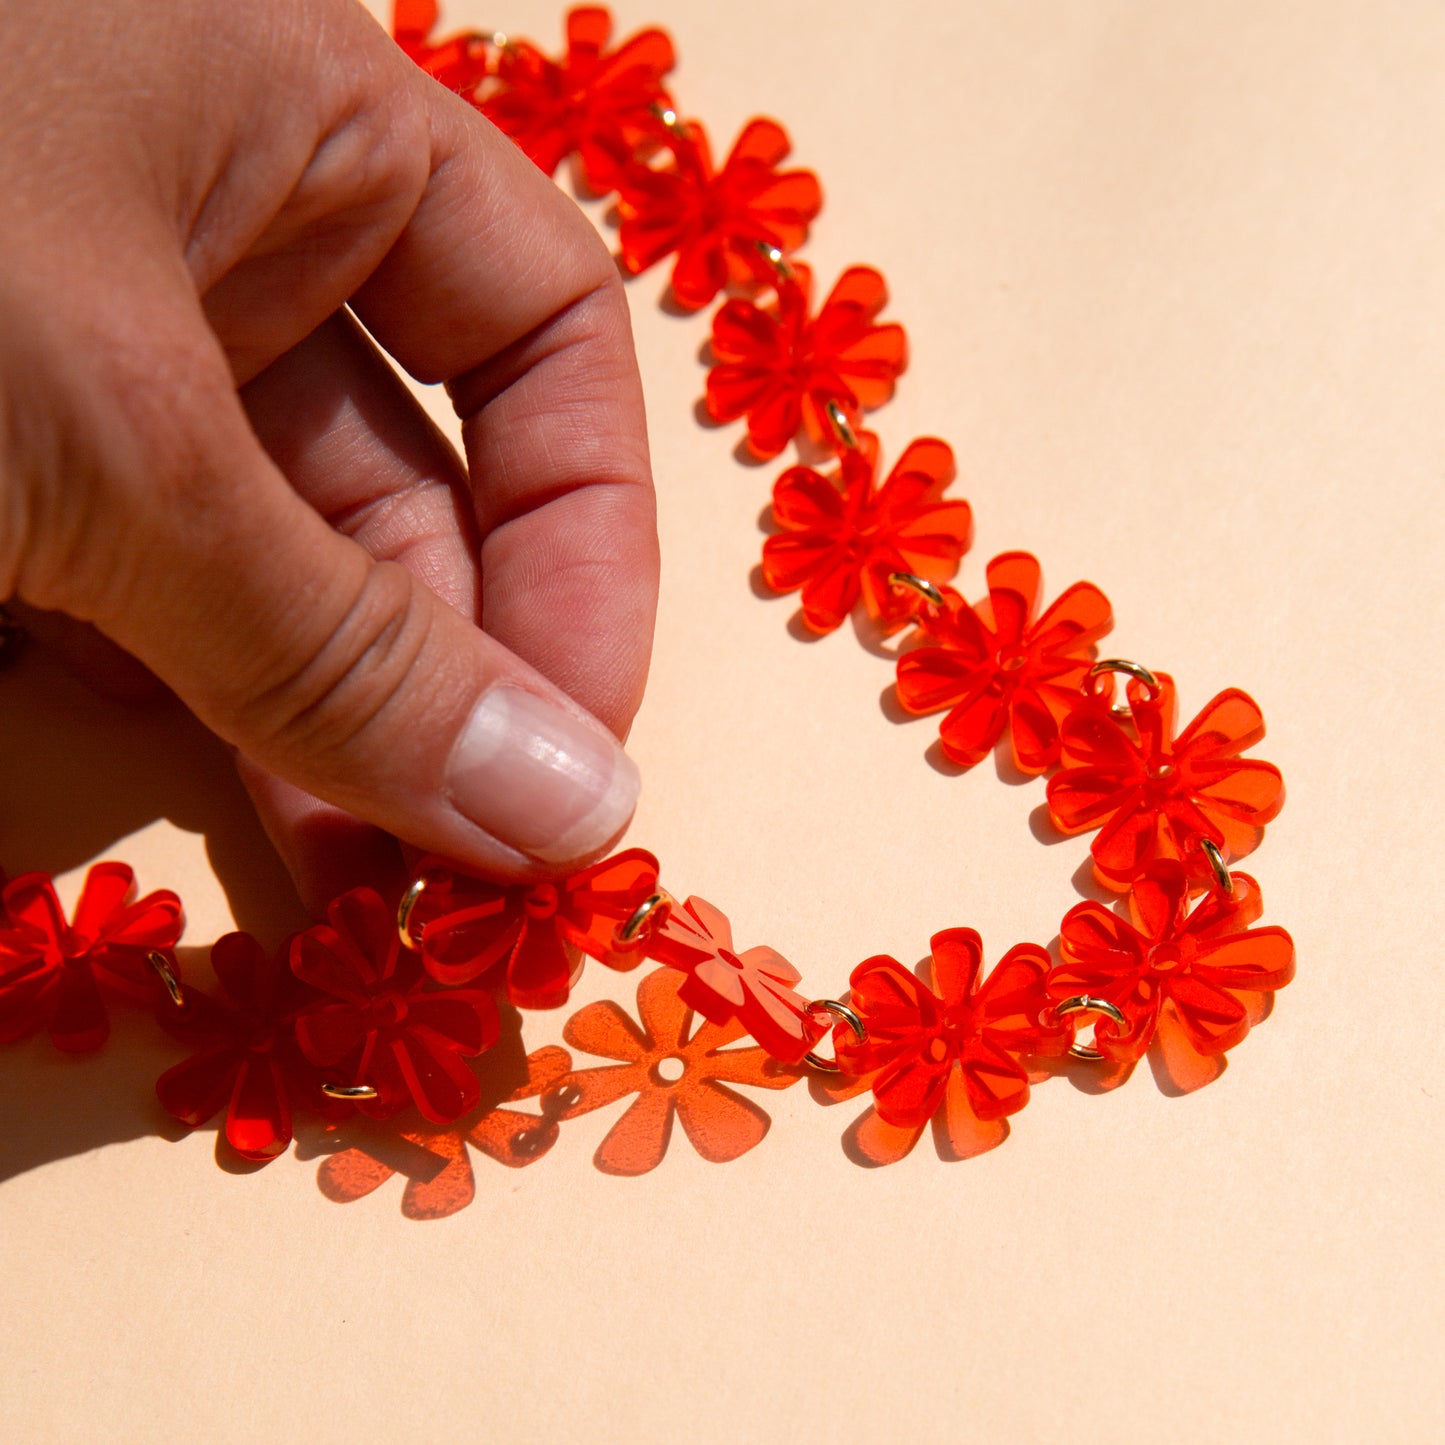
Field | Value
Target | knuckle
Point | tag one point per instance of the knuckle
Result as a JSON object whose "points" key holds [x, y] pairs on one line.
{"points": [[348, 682]]}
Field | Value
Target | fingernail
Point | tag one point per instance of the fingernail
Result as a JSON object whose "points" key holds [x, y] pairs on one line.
{"points": [[540, 779]]}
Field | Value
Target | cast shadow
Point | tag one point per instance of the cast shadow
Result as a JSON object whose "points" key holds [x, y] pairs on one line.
{"points": [[79, 774]]}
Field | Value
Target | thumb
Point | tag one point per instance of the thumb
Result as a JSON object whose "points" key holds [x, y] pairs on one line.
{"points": [[338, 673]]}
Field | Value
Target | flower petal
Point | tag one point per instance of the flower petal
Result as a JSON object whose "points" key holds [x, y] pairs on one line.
{"points": [[720, 1124], [637, 1142]]}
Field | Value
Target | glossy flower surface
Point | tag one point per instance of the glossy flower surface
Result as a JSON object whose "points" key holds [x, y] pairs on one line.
{"points": [[594, 101], [460, 63], [780, 365], [843, 535], [380, 1026], [536, 934], [671, 1073], [247, 1061], [56, 975], [435, 1161], [1155, 795], [963, 1042], [754, 988], [1207, 967], [998, 666], [715, 221]]}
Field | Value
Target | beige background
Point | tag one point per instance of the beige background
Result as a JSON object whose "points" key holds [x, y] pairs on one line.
{"points": [[1172, 277]]}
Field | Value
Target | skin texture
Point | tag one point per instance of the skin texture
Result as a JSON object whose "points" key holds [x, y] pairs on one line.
{"points": [[205, 459]]}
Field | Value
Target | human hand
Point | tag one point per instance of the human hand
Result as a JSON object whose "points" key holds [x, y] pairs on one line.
{"points": [[193, 193]]}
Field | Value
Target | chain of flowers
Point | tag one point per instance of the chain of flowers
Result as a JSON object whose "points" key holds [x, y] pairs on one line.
{"points": [[384, 1004]]}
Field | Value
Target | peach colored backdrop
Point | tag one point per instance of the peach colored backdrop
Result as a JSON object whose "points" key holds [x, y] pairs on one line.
{"points": [[1173, 280]]}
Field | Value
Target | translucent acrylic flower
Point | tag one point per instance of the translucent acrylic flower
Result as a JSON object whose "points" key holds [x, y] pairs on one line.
{"points": [[964, 1043], [780, 365], [435, 1160], [460, 63], [1154, 795], [754, 988], [246, 1061], [535, 933], [1207, 968], [594, 101], [999, 667], [843, 535], [670, 1072], [715, 220], [57, 976], [380, 1025]]}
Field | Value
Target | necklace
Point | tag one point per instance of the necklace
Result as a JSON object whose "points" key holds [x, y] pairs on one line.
{"points": [[383, 1007]]}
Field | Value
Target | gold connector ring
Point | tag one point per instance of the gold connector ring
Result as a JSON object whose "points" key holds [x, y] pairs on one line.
{"points": [[348, 1093], [167, 975], [842, 427], [842, 1012], [1085, 1004], [777, 260], [1217, 865], [921, 585], [406, 908], [644, 916]]}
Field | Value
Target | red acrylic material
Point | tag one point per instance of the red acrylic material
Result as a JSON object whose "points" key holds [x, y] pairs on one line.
{"points": [[980, 1033], [535, 934], [1154, 795], [1207, 968], [380, 1026], [671, 1073], [594, 101], [246, 1060], [436, 1161], [715, 221], [843, 535], [998, 666], [460, 63], [780, 365], [57, 976], [754, 988]]}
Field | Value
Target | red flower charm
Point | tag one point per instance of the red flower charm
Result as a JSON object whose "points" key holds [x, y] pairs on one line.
{"points": [[998, 668], [539, 931], [595, 102], [383, 1028], [460, 64], [248, 1062], [782, 366], [54, 976], [961, 1044], [669, 1072], [754, 988], [843, 536], [715, 221], [1207, 968], [1159, 796], [439, 1178]]}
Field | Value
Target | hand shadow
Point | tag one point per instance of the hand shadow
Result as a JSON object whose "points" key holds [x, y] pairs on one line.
{"points": [[78, 776]]}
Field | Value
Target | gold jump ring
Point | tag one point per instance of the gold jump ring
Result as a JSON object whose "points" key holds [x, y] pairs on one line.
{"points": [[920, 585], [1217, 865], [643, 916], [1081, 1004], [167, 975], [839, 1011]]}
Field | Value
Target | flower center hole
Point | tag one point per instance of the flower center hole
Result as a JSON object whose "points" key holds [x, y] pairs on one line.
{"points": [[1165, 957], [669, 1070], [541, 900]]}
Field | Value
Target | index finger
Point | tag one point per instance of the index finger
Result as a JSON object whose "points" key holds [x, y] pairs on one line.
{"points": [[499, 287]]}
